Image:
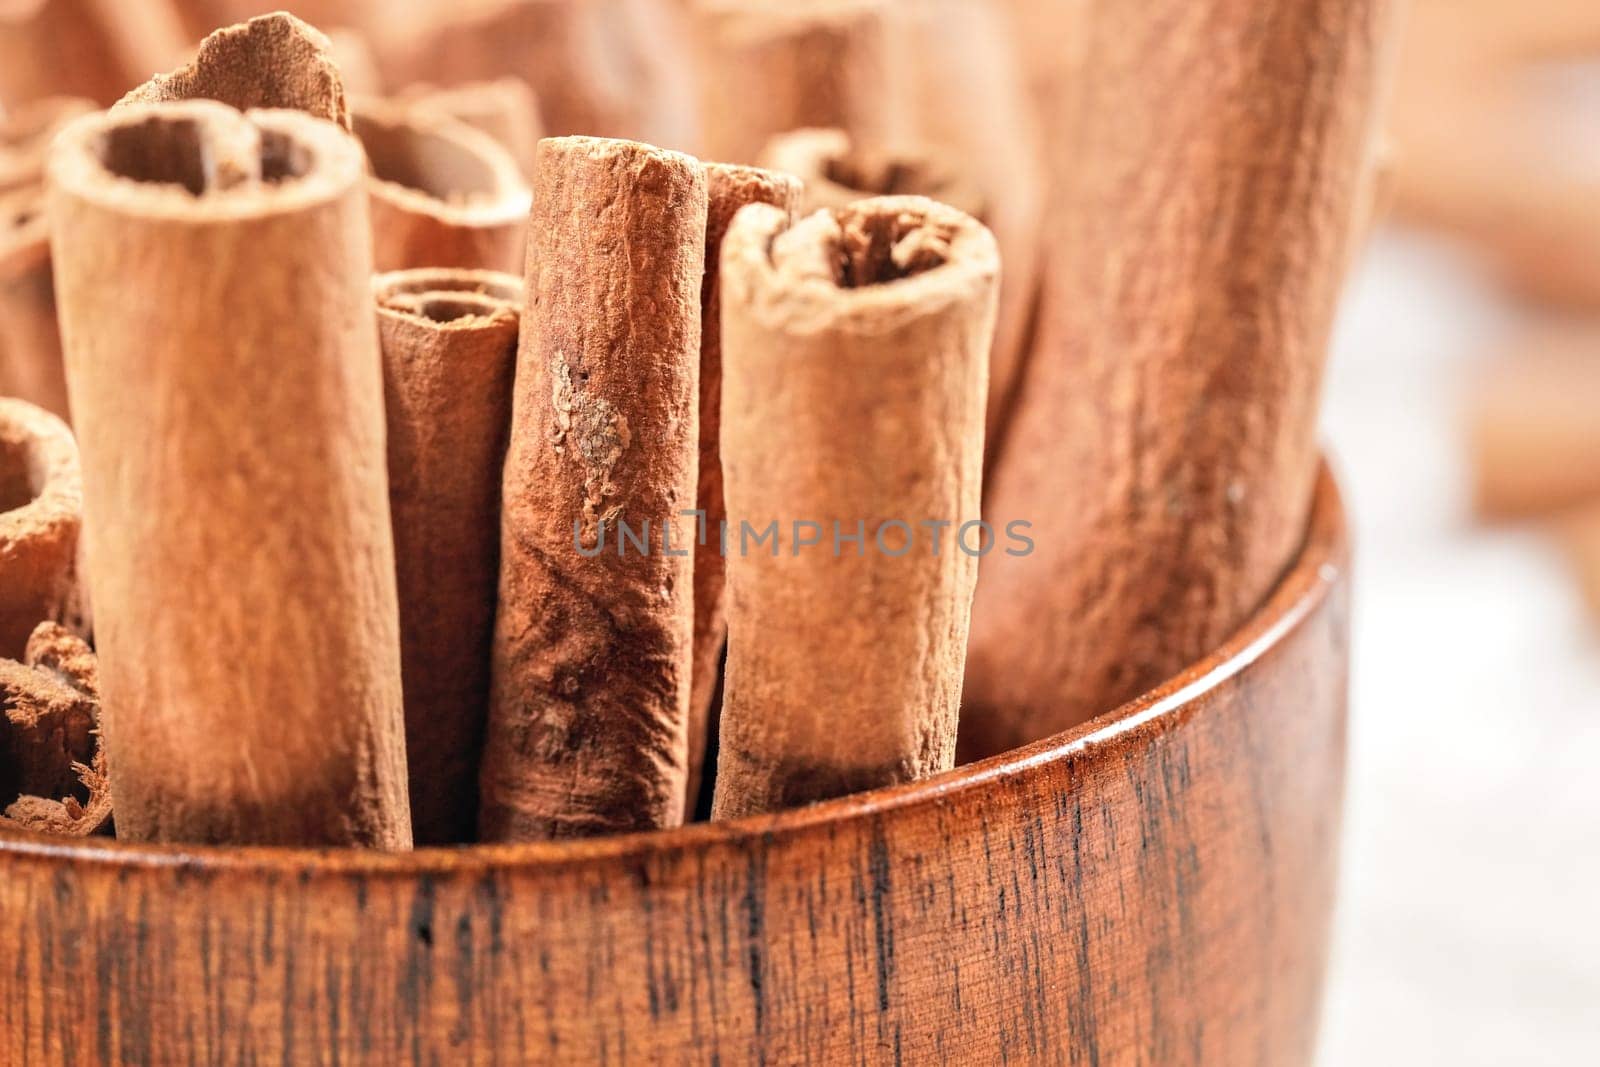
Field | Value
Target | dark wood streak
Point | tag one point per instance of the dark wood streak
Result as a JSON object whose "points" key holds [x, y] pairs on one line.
{"points": [[1152, 888]]}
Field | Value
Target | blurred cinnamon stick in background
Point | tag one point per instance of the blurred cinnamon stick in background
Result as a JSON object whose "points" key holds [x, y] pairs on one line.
{"points": [[588, 716], [238, 523], [90, 48], [770, 66], [449, 341], [729, 188], [443, 194], [855, 363], [1163, 442], [504, 108]]}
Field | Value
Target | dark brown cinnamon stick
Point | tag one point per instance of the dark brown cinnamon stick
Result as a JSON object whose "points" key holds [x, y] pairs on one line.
{"points": [[41, 514], [729, 188], [1163, 446], [52, 767], [449, 340], [855, 361], [232, 428], [588, 718]]}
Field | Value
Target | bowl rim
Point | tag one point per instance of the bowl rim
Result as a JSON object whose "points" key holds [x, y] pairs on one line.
{"points": [[1318, 568]]}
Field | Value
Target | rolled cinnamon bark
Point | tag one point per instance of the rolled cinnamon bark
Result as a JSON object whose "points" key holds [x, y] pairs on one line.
{"points": [[443, 194], [92, 48], [41, 513], [505, 109], [1163, 446], [1534, 433], [606, 68], [855, 361], [769, 66], [968, 101], [449, 340], [52, 766], [271, 61], [588, 716], [214, 277], [729, 188], [837, 171], [30, 344]]}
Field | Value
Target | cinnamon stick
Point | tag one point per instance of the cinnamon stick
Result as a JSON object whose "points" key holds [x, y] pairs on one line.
{"points": [[607, 68], [41, 513], [1534, 434], [769, 66], [271, 61], [97, 49], [588, 717], [967, 101], [30, 344], [855, 362], [52, 767], [449, 340], [26, 133], [729, 188], [443, 194], [837, 171], [232, 429], [1163, 447], [504, 108]]}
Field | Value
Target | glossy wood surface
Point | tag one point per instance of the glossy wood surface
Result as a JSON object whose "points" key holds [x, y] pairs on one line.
{"points": [[1153, 887]]}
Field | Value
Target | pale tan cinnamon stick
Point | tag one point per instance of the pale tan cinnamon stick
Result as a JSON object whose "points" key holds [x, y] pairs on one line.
{"points": [[837, 171], [271, 61], [443, 194], [41, 514], [729, 188], [607, 68], [855, 358], [504, 108], [588, 718], [449, 340], [769, 66], [1534, 427], [52, 766], [30, 344], [1163, 446], [214, 277], [91, 48]]}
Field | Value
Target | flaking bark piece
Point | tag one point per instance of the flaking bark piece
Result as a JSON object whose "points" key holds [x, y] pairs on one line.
{"points": [[51, 762], [271, 61]]}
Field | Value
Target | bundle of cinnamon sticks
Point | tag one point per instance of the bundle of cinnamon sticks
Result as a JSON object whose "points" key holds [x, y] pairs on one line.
{"points": [[430, 482]]}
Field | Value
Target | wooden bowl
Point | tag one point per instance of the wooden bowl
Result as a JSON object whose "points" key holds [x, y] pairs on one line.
{"points": [[1152, 887]]}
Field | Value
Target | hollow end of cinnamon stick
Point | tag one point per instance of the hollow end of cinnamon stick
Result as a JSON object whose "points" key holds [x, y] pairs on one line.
{"points": [[270, 61], [443, 194], [232, 435], [41, 513], [504, 108], [449, 340], [836, 171], [856, 346]]}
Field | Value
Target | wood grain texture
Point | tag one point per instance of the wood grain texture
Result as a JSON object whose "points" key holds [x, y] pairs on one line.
{"points": [[1163, 441], [41, 519], [1150, 888], [236, 494]]}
